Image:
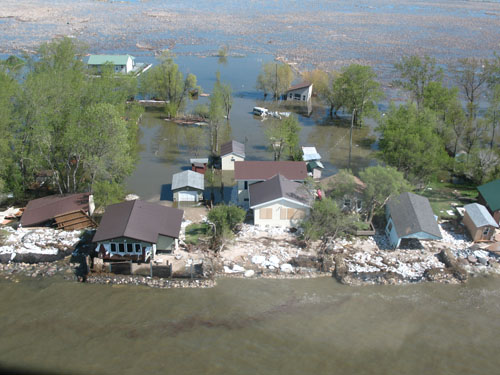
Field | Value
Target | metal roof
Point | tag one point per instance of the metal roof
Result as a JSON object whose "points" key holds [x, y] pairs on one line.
{"points": [[188, 179], [411, 214], [199, 160], [491, 194], [480, 215], [263, 170], [113, 59], [139, 220], [278, 187], [40, 210], [234, 147], [310, 153]]}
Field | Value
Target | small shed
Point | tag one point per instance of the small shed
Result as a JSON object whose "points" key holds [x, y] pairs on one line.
{"points": [[489, 196], [302, 92], [188, 186], [199, 165], [410, 216], [231, 152], [479, 222]]}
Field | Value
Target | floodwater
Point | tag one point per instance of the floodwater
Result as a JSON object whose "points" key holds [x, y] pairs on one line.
{"points": [[314, 326], [167, 147]]}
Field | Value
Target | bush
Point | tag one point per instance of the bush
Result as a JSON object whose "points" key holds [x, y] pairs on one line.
{"points": [[225, 218]]}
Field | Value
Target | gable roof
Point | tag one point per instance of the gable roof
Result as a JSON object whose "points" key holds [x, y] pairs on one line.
{"points": [[198, 161], [113, 59], [263, 170], [188, 179], [43, 209], [310, 153], [491, 194], [139, 220], [301, 85], [412, 213], [480, 215], [233, 147], [278, 187]]}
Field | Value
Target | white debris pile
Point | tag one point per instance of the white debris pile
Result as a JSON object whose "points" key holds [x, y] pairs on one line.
{"points": [[45, 241], [184, 225], [456, 241], [252, 230]]}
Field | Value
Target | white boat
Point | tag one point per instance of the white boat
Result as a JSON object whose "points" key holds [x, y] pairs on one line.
{"points": [[259, 111]]}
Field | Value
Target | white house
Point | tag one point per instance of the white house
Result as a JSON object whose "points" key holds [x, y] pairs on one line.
{"points": [[302, 92], [231, 152], [314, 165], [188, 186], [279, 202], [122, 63]]}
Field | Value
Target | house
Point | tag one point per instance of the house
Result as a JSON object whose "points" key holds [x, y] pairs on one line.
{"points": [[479, 222], [349, 202], [231, 152], [302, 92], [250, 172], [68, 212], [489, 196], [137, 231], [188, 186], [121, 63], [410, 216], [279, 202], [199, 165], [314, 165]]}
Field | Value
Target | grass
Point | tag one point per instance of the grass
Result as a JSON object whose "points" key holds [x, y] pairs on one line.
{"points": [[443, 196], [196, 231]]}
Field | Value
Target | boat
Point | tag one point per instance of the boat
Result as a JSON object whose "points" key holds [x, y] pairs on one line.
{"points": [[259, 111]]}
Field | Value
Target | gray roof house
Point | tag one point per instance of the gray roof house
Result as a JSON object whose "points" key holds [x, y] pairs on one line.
{"points": [[188, 186], [410, 216], [479, 222]]}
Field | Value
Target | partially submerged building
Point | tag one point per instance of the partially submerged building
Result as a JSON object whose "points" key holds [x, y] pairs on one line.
{"points": [[479, 222], [188, 186], [199, 165], [231, 152], [410, 216], [279, 202], [121, 63], [301, 91], [489, 196], [68, 212], [247, 173], [137, 231]]}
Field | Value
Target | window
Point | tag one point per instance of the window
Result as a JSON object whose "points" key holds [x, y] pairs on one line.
{"points": [[283, 211], [113, 247], [121, 248], [359, 204], [486, 231], [347, 203], [389, 227], [266, 213], [129, 248], [297, 96], [246, 185], [138, 248], [303, 97], [246, 199], [290, 96]]}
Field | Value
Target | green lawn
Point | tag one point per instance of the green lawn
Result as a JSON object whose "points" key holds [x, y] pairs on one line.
{"points": [[442, 194], [196, 231]]}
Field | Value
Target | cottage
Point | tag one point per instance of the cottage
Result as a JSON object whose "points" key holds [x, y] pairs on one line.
{"points": [[68, 212], [137, 231], [352, 201], [121, 63], [188, 186], [302, 92], [489, 196], [314, 165], [410, 216], [199, 165], [279, 202], [479, 222], [231, 152]]}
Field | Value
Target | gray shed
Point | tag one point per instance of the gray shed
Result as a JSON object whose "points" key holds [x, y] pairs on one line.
{"points": [[188, 186]]}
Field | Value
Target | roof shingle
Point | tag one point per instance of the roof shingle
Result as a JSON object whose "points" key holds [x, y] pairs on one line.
{"points": [[264, 170], [233, 147], [278, 187]]}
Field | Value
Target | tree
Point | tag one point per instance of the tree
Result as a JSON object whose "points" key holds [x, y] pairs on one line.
{"points": [[215, 116], [284, 136], [326, 88], [416, 76], [358, 91], [493, 112], [224, 219], [382, 183], [410, 143], [481, 164], [326, 221], [166, 82], [343, 187], [274, 78]]}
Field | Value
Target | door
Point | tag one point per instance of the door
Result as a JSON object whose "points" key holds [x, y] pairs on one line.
{"points": [[188, 196]]}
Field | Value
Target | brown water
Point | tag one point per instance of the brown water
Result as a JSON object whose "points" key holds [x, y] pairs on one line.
{"points": [[252, 327]]}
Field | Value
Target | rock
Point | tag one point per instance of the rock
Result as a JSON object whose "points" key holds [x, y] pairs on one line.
{"points": [[274, 261], [340, 272], [438, 274], [238, 269], [304, 261], [451, 262], [249, 273], [482, 260], [258, 259], [286, 268], [472, 259]]}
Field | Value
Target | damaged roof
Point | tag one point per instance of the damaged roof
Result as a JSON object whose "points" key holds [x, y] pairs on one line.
{"points": [[264, 170], [233, 147], [139, 220], [276, 188], [41, 210], [301, 85], [411, 214]]}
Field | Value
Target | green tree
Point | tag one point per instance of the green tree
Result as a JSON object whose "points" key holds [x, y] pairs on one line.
{"points": [[343, 187], [382, 183], [324, 85], [416, 76], [410, 143], [274, 78], [225, 219], [167, 82], [284, 136], [359, 91], [493, 113]]}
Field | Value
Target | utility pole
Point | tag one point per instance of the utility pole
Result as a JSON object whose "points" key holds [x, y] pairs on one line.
{"points": [[350, 137]]}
